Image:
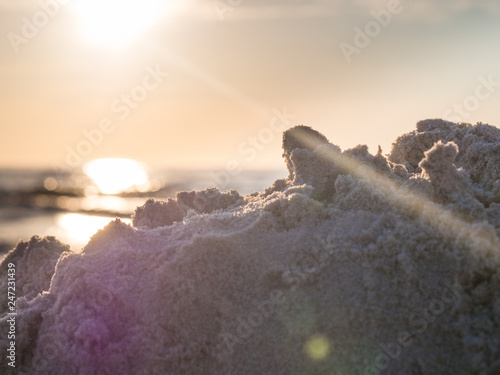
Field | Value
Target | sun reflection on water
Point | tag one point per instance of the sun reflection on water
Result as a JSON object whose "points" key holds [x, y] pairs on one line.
{"points": [[76, 229], [114, 175], [110, 176]]}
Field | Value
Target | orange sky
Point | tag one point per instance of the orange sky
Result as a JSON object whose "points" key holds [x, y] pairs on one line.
{"points": [[202, 86]]}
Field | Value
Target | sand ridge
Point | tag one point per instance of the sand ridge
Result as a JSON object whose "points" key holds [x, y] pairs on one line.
{"points": [[354, 264]]}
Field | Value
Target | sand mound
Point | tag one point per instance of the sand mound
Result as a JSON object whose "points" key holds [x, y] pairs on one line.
{"points": [[355, 264]]}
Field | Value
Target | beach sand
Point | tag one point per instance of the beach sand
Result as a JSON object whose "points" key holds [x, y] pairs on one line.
{"points": [[354, 264]]}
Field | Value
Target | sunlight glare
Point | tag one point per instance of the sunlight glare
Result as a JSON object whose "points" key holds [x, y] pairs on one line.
{"points": [[113, 176], [115, 23], [77, 229]]}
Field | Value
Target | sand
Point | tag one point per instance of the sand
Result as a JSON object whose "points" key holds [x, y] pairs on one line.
{"points": [[354, 264]]}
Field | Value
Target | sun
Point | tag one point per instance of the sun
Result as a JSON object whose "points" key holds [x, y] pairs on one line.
{"points": [[116, 23]]}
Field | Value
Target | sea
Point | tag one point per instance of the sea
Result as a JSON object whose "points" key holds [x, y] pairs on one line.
{"points": [[74, 205]]}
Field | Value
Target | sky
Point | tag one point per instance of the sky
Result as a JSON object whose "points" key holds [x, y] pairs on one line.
{"points": [[212, 84]]}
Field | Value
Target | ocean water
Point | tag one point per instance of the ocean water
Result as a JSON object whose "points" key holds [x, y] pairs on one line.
{"points": [[73, 206]]}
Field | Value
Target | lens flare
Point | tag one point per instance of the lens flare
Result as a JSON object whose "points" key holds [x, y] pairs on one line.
{"points": [[317, 347]]}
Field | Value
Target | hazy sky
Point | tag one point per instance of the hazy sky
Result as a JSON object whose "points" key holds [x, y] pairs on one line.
{"points": [[200, 84]]}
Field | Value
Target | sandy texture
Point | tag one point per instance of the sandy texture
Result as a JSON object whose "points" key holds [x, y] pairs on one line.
{"points": [[355, 264]]}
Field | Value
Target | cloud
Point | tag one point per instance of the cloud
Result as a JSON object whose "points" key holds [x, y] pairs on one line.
{"points": [[287, 11], [418, 10], [262, 10], [432, 11]]}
